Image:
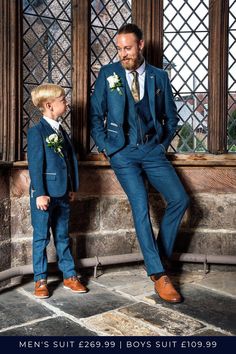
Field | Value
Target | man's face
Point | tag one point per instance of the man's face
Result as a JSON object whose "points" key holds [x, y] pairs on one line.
{"points": [[129, 50]]}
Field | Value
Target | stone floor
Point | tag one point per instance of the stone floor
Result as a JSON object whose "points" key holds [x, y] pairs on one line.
{"points": [[121, 302]]}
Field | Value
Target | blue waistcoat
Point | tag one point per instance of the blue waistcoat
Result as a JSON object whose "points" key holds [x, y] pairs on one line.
{"points": [[139, 121]]}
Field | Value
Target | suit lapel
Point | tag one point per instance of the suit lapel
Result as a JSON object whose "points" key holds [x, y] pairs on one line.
{"points": [[48, 130], [66, 137], [117, 99], [121, 73], [47, 127], [150, 79]]}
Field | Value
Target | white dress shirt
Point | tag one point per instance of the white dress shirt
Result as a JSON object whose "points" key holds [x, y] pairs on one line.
{"points": [[53, 123], [141, 78]]}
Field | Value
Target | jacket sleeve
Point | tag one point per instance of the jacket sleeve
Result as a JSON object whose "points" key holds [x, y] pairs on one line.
{"points": [[98, 111], [170, 114], [36, 161]]}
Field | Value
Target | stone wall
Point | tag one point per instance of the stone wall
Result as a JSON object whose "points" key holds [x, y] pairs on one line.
{"points": [[21, 229], [5, 236], [101, 221]]}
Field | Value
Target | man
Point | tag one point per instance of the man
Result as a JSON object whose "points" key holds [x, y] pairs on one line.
{"points": [[133, 120]]}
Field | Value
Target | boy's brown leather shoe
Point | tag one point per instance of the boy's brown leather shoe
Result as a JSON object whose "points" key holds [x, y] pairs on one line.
{"points": [[165, 289], [41, 289], [74, 285]]}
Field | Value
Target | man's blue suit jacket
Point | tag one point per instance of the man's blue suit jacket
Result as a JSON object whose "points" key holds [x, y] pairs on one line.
{"points": [[110, 105], [48, 171]]}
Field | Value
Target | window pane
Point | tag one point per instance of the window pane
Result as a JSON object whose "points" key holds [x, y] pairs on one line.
{"points": [[107, 16], [186, 60], [232, 78], [46, 53]]}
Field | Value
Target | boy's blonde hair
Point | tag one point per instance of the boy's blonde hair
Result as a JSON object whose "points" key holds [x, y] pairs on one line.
{"points": [[44, 93]]}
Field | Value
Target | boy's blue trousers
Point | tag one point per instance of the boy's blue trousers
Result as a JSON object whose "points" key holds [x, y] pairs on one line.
{"points": [[55, 218]]}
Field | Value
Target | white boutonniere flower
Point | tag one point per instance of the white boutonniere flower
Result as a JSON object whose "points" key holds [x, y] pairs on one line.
{"points": [[55, 141], [115, 83]]}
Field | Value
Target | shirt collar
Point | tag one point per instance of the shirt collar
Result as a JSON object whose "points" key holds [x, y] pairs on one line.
{"points": [[140, 70], [53, 123]]}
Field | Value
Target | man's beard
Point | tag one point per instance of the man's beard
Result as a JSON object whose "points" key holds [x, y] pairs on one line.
{"points": [[132, 64]]}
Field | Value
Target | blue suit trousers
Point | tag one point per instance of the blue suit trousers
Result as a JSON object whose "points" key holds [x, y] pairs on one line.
{"points": [[55, 218], [132, 165]]}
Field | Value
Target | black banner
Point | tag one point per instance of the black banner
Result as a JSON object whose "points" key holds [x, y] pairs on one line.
{"points": [[193, 344]]}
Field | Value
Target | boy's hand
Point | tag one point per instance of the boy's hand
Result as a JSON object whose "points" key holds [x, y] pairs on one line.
{"points": [[42, 202]]}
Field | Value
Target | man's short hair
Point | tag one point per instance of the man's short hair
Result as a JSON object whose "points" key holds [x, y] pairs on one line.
{"points": [[131, 28], [46, 92]]}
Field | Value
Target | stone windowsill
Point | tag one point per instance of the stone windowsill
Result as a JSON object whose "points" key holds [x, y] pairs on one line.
{"points": [[176, 159], [5, 164]]}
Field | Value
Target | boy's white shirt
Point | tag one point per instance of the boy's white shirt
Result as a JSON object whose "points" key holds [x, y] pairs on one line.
{"points": [[53, 123]]}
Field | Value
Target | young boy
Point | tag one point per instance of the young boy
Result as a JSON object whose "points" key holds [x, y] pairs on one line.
{"points": [[53, 170]]}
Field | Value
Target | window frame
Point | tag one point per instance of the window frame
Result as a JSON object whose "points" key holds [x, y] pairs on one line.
{"points": [[11, 80]]}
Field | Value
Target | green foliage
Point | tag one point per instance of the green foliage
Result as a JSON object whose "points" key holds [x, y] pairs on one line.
{"points": [[186, 140], [232, 128]]}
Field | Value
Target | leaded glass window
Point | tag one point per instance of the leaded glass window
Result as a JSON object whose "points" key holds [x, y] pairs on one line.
{"points": [[107, 16], [46, 54], [186, 60], [232, 78]]}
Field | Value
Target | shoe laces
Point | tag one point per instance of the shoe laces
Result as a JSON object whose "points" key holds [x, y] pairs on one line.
{"points": [[74, 278], [166, 280], [42, 282]]}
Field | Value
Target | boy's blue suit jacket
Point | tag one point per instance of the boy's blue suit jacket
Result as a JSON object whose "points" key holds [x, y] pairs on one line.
{"points": [[48, 171], [110, 105]]}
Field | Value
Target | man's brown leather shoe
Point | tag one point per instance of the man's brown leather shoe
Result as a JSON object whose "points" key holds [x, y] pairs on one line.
{"points": [[165, 289], [74, 285], [41, 289]]}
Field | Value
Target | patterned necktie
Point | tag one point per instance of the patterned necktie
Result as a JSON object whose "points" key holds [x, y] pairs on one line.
{"points": [[135, 86]]}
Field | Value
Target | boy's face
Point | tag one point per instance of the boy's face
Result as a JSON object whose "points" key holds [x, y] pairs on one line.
{"points": [[58, 106]]}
